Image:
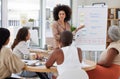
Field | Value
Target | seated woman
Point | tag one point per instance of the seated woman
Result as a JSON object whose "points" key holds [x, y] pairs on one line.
{"points": [[67, 57], [20, 48], [9, 63], [109, 64]]}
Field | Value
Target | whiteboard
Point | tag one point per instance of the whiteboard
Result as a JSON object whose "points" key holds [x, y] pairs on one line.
{"points": [[34, 39], [93, 36]]}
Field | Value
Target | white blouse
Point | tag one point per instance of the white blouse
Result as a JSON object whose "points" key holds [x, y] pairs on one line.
{"points": [[71, 59], [115, 45], [21, 49]]}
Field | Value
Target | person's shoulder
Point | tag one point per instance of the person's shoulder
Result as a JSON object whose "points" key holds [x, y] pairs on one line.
{"points": [[21, 44], [55, 24], [73, 46], [114, 45], [67, 23], [57, 51], [6, 50]]}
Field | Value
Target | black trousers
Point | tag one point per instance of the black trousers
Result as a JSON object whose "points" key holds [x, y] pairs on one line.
{"points": [[42, 75], [11, 78]]}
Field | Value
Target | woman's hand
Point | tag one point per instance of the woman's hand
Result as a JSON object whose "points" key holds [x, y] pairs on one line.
{"points": [[39, 56], [81, 26]]}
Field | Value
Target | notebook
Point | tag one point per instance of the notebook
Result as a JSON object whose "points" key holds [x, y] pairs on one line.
{"points": [[32, 62]]}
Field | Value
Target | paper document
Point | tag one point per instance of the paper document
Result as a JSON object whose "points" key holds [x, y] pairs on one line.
{"points": [[15, 76], [31, 62]]}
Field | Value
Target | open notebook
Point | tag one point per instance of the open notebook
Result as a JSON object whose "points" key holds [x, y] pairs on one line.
{"points": [[32, 62]]}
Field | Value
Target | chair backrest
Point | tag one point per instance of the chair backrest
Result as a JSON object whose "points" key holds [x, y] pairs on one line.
{"points": [[73, 74]]}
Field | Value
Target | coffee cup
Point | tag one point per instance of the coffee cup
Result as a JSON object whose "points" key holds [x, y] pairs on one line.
{"points": [[32, 56], [49, 47], [26, 56]]}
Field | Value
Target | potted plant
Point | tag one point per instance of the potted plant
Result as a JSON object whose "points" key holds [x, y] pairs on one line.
{"points": [[31, 22], [73, 28]]}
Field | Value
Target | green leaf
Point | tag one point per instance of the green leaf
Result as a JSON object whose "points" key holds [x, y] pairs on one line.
{"points": [[73, 28], [31, 20]]}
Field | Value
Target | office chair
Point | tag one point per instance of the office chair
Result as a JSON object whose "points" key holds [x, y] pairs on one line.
{"points": [[73, 74]]}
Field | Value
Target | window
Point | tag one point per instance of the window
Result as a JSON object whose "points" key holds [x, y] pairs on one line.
{"points": [[25, 13], [35, 14]]}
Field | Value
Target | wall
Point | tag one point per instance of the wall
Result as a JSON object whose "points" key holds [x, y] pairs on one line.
{"points": [[76, 3], [110, 3]]}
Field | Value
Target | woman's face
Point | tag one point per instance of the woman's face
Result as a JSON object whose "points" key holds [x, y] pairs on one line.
{"points": [[61, 15], [28, 36]]}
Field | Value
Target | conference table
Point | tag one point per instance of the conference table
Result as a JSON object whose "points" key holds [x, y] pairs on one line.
{"points": [[88, 65]]}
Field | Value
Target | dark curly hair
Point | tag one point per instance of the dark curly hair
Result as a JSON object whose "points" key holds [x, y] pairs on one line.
{"points": [[65, 8], [66, 38]]}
